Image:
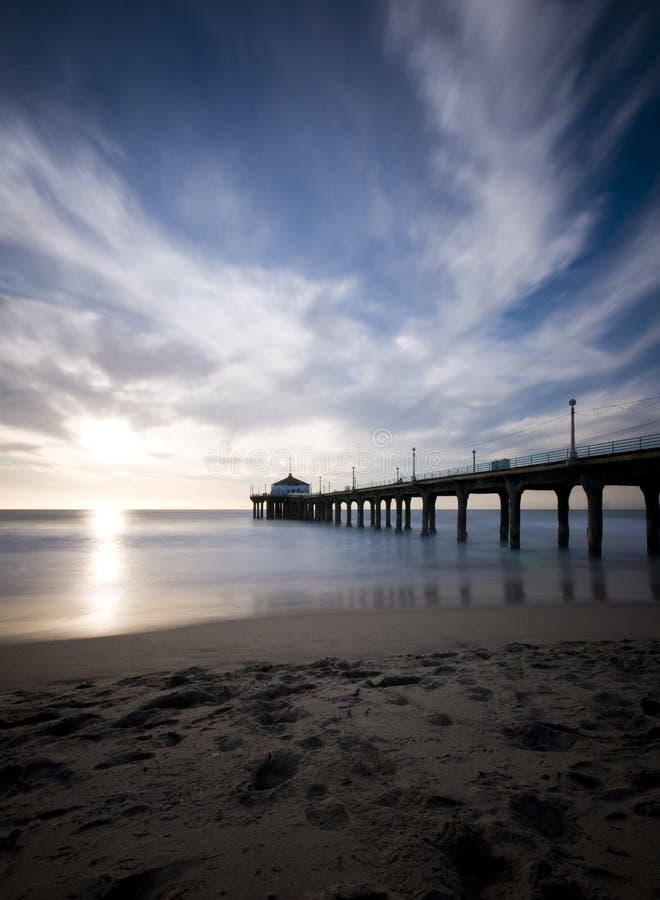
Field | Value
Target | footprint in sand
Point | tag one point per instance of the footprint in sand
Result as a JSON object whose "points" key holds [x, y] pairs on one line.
{"points": [[317, 791], [352, 892], [542, 736], [547, 817], [313, 742], [481, 694], [649, 808], [92, 824], [585, 774], [442, 802], [330, 815], [69, 725], [124, 759], [441, 719], [398, 700], [276, 769], [650, 707], [149, 717], [166, 881], [227, 742]]}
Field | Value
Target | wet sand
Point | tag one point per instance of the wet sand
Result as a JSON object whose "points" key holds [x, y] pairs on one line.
{"points": [[427, 754]]}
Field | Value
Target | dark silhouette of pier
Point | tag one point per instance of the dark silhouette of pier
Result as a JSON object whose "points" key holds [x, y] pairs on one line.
{"points": [[632, 462]]}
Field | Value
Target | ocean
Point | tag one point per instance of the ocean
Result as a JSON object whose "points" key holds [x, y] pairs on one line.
{"points": [[85, 573]]}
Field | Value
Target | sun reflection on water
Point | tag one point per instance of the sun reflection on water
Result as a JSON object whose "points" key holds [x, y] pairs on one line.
{"points": [[107, 523], [104, 584]]}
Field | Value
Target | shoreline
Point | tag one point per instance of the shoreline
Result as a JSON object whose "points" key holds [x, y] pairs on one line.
{"points": [[297, 638]]}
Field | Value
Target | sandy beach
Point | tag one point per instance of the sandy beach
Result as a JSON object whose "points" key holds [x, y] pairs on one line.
{"points": [[436, 754]]}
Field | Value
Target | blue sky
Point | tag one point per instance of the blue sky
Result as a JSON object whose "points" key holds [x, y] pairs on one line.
{"points": [[237, 232]]}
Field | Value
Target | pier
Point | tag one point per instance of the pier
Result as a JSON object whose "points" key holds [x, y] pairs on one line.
{"points": [[632, 462]]}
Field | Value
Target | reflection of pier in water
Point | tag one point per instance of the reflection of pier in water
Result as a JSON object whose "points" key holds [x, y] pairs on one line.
{"points": [[514, 588], [633, 462]]}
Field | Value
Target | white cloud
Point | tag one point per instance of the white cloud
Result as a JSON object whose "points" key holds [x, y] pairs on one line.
{"points": [[504, 87], [112, 316]]}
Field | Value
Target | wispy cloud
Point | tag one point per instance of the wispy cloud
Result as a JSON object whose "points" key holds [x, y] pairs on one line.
{"points": [[506, 93], [456, 284]]}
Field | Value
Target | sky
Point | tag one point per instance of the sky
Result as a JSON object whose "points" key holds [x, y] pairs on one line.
{"points": [[235, 234]]}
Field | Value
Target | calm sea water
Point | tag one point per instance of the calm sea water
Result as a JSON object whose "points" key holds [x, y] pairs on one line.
{"points": [[65, 574]]}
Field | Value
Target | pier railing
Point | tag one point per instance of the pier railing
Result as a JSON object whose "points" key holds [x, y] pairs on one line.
{"points": [[606, 448]]}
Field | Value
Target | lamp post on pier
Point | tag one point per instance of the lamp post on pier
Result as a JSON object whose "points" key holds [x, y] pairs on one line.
{"points": [[573, 452], [474, 460], [413, 472], [397, 474], [320, 491], [353, 478]]}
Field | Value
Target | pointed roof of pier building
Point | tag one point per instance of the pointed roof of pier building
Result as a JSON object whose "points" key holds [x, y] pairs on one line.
{"points": [[290, 481]]}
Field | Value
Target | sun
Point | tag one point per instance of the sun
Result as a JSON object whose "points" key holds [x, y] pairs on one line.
{"points": [[108, 440]]}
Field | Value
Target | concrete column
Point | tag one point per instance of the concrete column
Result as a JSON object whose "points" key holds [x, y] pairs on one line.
{"points": [[504, 516], [388, 512], [594, 491], [338, 512], [399, 514], [515, 493], [254, 509], [372, 513], [360, 512], [270, 509], [425, 514], [349, 511], [650, 491], [563, 493], [432, 514], [377, 514], [407, 501], [462, 495]]}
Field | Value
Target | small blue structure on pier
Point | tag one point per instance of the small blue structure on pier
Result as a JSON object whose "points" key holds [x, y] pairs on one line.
{"points": [[289, 485]]}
